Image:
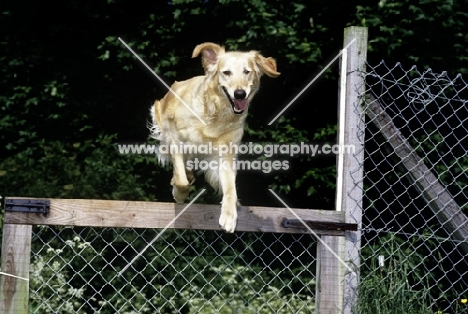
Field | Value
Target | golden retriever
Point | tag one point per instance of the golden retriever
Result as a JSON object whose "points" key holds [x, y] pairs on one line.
{"points": [[210, 110]]}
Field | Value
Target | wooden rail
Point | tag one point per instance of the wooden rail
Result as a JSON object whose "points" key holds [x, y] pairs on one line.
{"points": [[137, 214]]}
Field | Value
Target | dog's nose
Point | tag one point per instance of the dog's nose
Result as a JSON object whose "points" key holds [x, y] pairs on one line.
{"points": [[239, 94]]}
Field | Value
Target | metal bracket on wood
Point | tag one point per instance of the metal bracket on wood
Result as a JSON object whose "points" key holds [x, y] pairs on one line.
{"points": [[27, 206], [296, 223]]}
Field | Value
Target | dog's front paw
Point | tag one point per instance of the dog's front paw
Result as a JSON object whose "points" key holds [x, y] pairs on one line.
{"points": [[228, 218], [180, 192]]}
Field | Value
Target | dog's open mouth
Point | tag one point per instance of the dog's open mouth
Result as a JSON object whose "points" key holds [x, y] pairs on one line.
{"points": [[238, 105]]}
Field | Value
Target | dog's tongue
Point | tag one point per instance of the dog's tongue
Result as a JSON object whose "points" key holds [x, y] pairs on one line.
{"points": [[241, 104]]}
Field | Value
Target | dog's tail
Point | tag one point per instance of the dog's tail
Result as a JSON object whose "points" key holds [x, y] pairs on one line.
{"points": [[212, 177], [156, 133], [153, 125]]}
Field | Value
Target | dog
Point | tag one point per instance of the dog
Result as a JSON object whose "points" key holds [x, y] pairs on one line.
{"points": [[210, 110]]}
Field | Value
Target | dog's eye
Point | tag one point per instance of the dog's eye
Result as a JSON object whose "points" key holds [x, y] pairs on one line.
{"points": [[227, 73], [246, 72]]}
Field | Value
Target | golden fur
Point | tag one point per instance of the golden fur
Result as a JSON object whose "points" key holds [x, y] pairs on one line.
{"points": [[220, 99]]}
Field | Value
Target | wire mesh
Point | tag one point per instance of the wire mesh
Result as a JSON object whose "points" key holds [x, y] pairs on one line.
{"points": [[414, 223], [76, 270]]}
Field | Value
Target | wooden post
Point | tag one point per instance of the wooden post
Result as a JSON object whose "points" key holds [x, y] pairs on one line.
{"points": [[354, 163], [329, 288], [16, 248], [336, 285]]}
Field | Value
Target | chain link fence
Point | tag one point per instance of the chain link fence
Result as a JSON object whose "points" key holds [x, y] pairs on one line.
{"points": [[76, 270], [414, 225]]}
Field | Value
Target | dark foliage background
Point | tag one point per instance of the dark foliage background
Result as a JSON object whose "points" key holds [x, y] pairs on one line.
{"points": [[70, 90]]}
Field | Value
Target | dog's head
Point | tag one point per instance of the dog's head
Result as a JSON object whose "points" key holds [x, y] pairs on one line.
{"points": [[237, 73]]}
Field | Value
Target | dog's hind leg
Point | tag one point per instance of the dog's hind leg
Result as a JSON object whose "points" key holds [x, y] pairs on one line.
{"points": [[190, 176]]}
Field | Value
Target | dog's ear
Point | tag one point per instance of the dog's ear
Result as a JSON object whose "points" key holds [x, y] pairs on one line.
{"points": [[266, 65], [210, 53]]}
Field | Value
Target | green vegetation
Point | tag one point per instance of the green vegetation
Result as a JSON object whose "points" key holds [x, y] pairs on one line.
{"points": [[397, 286]]}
